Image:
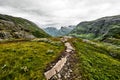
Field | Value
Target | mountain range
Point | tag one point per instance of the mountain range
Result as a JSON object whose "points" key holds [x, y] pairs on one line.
{"points": [[102, 28], [59, 32]]}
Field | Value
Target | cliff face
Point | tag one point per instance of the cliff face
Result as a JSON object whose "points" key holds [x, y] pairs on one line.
{"points": [[103, 27], [14, 27]]}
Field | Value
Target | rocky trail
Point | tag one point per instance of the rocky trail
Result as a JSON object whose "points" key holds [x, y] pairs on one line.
{"points": [[61, 70]]}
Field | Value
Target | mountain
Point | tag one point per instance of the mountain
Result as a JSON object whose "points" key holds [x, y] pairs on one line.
{"points": [[52, 31], [15, 27], [59, 32], [101, 28], [65, 30]]}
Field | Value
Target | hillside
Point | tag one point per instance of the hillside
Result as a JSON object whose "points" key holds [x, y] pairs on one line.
{"points": [[17, 28], [96, 60], [101, 28], [59, 32]]}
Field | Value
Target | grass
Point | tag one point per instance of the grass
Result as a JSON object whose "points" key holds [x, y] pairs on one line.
{"points": [[94, 63], [108, 48], [84, 36], [113, 41], [26, 60]]}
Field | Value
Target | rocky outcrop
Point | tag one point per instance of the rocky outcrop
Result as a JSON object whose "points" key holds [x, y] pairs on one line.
{"points": [[5, 35]]}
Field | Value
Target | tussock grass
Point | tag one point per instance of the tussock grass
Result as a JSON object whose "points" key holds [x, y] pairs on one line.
{"points": [[26, 60]]}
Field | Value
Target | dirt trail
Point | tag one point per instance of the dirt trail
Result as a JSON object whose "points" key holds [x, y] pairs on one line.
{"points": [[60, 63]]}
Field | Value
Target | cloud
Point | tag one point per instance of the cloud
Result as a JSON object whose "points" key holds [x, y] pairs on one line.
{"points": [[59, 13]]}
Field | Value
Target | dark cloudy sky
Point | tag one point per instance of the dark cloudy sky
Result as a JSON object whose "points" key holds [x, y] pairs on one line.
{"points": [[58, 13]]}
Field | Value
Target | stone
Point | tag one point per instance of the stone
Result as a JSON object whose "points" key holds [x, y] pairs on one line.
{"points": [[50, 73], [60, 64]]}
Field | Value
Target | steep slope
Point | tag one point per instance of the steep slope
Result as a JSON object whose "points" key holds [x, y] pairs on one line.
{"points": [[65, 30], [51, 31], [59, 32], [101, 28], [14, 27]]}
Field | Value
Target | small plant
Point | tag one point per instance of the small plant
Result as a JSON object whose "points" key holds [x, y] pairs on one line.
{"points": [[25, 69]]}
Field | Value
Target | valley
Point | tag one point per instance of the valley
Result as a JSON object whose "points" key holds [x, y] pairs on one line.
{"points": [[89, 51]]}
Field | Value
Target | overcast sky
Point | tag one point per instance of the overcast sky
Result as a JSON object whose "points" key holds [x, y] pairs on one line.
{"points": [[57, 13]]}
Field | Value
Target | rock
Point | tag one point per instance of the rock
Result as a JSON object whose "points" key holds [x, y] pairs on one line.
{"points": [[59, 76], [69, 47], [50, 73], [70, 70], [1, 39], [5, 35]]}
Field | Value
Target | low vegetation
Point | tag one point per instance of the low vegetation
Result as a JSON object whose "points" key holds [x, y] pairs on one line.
{"points": [[95, 62], [26, 60], [113, 41], [84, 36]]}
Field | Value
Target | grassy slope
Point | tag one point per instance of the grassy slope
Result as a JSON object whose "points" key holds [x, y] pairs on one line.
{"points": [[27, 25], [101, 28], [26, 60], [94, 62], [113, 41]]}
